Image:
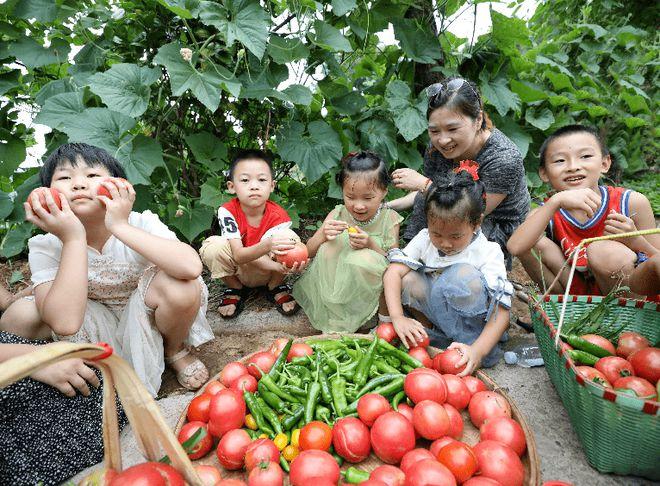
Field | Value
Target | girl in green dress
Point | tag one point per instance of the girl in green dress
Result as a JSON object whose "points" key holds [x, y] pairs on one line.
{"points": [[343, 287]]}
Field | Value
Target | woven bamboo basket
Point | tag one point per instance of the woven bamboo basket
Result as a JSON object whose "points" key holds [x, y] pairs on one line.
{"points": [[151, 431], [619, 433], [470, 433]]}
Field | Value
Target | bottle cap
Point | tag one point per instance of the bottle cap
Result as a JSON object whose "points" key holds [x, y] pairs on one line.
{"points": [[510, 357]]}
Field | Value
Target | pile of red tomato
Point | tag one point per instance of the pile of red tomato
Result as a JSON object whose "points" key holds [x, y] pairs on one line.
{"points": [[419, 443]]}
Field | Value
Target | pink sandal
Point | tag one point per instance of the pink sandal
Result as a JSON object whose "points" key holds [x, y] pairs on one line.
{"points": [[188, 374]]}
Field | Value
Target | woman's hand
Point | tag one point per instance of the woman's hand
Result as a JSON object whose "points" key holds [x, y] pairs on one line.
{"points": [[333, 228], [358, 238], [119, 205], [409, 180], [63, 223], [409, 330], [471, 358], [68, 376]]}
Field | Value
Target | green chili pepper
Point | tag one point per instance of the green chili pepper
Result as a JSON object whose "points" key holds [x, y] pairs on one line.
{"points": [[395, 386], [256, 411], [273, 401], [301, 360], [400, 355], [281, 359], [312, 399], [326, 394], [376, 382], [384, 367], [323, 414], [338, 390], [397, 399], [252, 433], [272, 387], [338, 458], [353, 475], [304, 374], [583, 357], [365, 364], [291, 420], [270, 415], [326, 344], [284, 464], [583, 345], [295, 390]]}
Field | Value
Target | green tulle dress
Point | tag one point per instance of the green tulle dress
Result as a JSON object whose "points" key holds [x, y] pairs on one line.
{"points": [[339, 291]]}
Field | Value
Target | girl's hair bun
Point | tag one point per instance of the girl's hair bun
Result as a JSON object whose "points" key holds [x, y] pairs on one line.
{"points": [[363, 161], [462, 196]]}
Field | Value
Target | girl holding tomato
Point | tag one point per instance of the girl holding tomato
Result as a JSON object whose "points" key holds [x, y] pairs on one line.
{"points": [[342, 288], [103, 272], [451, 278]]}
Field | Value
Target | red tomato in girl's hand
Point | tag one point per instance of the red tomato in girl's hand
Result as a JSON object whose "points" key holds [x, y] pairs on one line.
{"points": [[629, 342], [227, 412], [428, 472], [614, 367], [600, 341], [298, 350], [507, 431], [350, 438], [487, 405], [261, 450], [371, 406], [231, 449], [208, 474], [474, 384], [411, 457], [392, 435], [455, 421], [459, 458], [315, 435], [386, 332], [421, 355], [458, 394], [266, 474], [205, 443], [231, 372], [646, 363], [430, 420], [592, 374], [213, 387], [389, 475], [499, 462], [310, 466], [425, 385], [263, 360], [446, 362], [437, 445], [297, 254], [103, 191], [40, 191], [198, 409], [641, 387]]}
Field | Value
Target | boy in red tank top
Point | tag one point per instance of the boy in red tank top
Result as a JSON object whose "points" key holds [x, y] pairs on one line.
{"points": [[572, 161], [253, 230]]}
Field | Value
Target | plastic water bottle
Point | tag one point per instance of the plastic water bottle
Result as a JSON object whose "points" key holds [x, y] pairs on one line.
{"points": [[525, 355]]}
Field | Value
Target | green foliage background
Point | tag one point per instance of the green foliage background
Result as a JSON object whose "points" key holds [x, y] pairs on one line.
{"points": [[175, 123]]}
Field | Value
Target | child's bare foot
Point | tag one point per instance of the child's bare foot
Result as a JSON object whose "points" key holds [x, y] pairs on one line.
{"points": [[233, 301], [190, 371], [283, 300]]}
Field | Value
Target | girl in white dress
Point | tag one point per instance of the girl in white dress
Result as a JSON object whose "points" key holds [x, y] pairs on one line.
{"points": [[105, 273]]}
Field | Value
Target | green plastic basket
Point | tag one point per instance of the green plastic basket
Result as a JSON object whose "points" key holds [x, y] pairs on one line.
{"points": [[619, 433]]}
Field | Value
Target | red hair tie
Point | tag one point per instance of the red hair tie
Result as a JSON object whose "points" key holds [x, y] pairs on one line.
{"points": [[469, 166], [108, 351]]}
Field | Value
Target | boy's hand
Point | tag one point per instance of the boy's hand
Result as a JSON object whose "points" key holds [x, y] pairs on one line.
{"points": [[63, 223], [68, 376], [616, 224], [580, 199], [409, 330], [117, 209], [358, 238], [279, 245], [471, 358], [333, 228], [297, 267]]}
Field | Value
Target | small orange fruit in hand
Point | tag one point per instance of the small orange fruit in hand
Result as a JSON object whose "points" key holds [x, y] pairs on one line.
{"points": [[103, 191], [40, 191], [352, 229]]}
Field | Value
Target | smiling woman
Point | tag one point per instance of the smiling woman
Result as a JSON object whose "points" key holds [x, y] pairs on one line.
{"points": [[459, 129]]}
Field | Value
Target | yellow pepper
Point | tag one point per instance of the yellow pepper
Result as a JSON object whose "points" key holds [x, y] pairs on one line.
{"points": [[295, 437], [281, 441], [290, 452], [352, 229], [263, 436], [250, 423]]}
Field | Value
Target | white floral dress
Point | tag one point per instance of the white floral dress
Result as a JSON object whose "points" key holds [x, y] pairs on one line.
{"points": [[116, 311]]}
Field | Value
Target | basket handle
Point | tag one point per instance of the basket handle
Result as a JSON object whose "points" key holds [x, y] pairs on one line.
{"points": [[145, 417], [574, 256]]}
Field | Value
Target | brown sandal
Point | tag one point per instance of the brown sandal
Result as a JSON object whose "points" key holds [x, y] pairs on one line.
{"points": [[186, 375]]}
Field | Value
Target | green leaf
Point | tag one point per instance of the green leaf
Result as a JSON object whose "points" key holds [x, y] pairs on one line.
{"points": [[214, 14], [212, 194], [139, 156], [597, 30], [34, 55], [298, 94], [9, 80], [560, 81], [315, 149], [16, 240], [558, 100], [204, 84], [380, 136], [98, 126], [12, 153], [418, 42], [498, 94], [283, 50], [349, 104], [410, 157], [193, 221], [527, 92], [53, 88], [6, 205], [328, 37], [559, 67], [125, 87], [250, 24], [542, 119], [86, 62], [342, 7], [509, 33], [60, 109], [16, 276], [636, 103], [208, 150], [635, 122], [517, 135], [45, 11], [182, 8], [409, 118], [596, 111]]}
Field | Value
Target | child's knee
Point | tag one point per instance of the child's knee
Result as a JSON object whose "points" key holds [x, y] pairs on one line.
{"points": [[463, 288], [216, 254], [23, 319], [609, 257], [178, 294]]}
